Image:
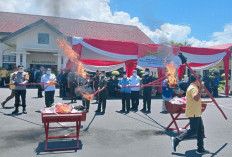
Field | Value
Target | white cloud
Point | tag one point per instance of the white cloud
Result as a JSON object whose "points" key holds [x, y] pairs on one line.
{"points": [[99, 10], [217, 38]]}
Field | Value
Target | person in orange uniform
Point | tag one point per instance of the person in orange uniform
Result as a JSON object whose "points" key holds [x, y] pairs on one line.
{"points": [[193, 112], [4, 74]]}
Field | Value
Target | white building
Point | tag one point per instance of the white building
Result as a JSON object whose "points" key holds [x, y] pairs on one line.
{"points": [[30, 40]]}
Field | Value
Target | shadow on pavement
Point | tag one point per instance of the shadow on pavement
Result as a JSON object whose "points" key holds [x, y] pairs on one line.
{"points": [[87, 128], [40, 150], [8, 107], [123, 113], [16, 116], [192, 153], [214, 154]]}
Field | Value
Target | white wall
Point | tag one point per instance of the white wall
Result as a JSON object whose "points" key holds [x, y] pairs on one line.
{"points": [[29, 39], [5, 50]]}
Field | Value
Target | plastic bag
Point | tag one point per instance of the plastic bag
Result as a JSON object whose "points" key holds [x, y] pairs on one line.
{"points": [[63, 108]]}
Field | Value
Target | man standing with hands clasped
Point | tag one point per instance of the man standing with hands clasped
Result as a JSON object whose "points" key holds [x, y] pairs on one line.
{"points": [[135, 81], [193, 112], [147, 91], [125, 91], [49, 87], [20, 78]]}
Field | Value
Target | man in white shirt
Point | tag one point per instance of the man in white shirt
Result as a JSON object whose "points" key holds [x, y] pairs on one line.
{"points": [[135, 81], [48, 88]]}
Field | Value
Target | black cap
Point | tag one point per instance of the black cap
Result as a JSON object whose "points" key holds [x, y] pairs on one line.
{"points": [[147, 69], [20, 66]]}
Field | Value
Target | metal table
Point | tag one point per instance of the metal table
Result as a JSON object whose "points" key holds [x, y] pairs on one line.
{"points": [[178, 110], [48, 118]]}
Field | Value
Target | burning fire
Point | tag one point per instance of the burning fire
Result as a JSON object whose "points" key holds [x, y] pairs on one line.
{"points": [[86, 95], [171, 71], [73, 56]]}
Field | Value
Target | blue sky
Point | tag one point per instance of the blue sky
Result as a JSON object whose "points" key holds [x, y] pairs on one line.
{"points": [[203, 16]]}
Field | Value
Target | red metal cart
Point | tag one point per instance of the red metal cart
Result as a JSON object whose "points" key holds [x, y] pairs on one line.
{"points": [[48, 118], [178, 110]]}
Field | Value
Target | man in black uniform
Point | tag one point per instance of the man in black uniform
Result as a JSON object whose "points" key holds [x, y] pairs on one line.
{"points": [[38, 76], [72, 84], [96, 84], [147, 91], [102, 93]]}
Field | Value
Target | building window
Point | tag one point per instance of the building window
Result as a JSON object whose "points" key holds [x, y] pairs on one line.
{"points": [[43, 38], [8, 58]]}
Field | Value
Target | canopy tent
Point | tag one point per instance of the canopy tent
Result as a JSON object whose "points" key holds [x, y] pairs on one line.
{"points": [[105, 54], [205, 58], [110, 55]]}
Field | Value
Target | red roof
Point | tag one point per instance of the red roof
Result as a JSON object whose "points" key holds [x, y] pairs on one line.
{"points": [[223, 46], [11, 22]]}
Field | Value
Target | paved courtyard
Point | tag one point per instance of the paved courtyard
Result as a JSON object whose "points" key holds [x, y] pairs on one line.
{"points": [[113, 134]]}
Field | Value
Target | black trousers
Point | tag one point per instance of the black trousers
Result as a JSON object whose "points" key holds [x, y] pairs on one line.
{"points": [[215, 91], [126, 101], [19, 93], [135, 99], [40, 90], [3, 82], [64, 89], [86, 103], [61, 90], [147, 99], [72, 92], [49, 98], [196, 127], [97, 95], [102, 101]]}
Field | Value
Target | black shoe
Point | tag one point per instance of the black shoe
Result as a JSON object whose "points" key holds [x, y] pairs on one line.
{"points": [[3, 104], [103, 112], [202, 151], [24, 111], [148, 111], [122, 111], [97, 111], [164, 112], [15, 111], [143, 110], [136, 110], [175, 142]]}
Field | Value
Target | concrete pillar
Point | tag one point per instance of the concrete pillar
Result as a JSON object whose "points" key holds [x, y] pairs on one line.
{"points": [[59, 63], [201, 73], [65, 61], [24, 61], [17, 59]]}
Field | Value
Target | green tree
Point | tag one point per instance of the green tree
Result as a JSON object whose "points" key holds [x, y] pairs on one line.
{"points": [[179, 44]]}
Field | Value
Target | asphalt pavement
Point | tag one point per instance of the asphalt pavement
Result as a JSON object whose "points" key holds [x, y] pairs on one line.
{"points": [[113, 134]]}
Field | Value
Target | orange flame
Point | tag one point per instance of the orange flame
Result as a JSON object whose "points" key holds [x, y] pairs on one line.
{"points": [[86, 95], [171, 71], [73, 56]]}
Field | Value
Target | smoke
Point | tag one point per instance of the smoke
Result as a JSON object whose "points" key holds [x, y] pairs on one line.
{"points": [[51, 7]]}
